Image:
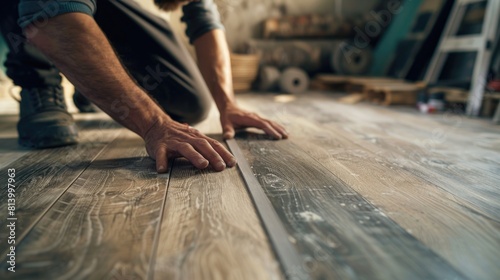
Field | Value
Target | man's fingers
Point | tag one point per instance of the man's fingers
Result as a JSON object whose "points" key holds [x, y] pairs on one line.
{"points": [[280, 129], [264, 125], [161, 159], [222, 151], [272, 129], [187, 151], [187, 142], [208, 152]]}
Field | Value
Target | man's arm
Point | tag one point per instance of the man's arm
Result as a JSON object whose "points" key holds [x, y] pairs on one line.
{"points": [[77, 46], [214, 63]]}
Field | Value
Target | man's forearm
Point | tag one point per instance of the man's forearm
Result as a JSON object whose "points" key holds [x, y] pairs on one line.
{"points": [[77, 46], [215, 66]]}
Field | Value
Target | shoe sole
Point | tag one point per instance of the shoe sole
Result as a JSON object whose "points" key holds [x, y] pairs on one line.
{"points": [[51, 137]]}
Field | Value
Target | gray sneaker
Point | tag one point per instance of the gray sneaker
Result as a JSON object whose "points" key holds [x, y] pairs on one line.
{"points": [[45, 121]]}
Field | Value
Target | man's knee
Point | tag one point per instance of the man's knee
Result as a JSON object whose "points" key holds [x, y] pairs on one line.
{"points": [[186, 102], [185, 105], [197, 111]]}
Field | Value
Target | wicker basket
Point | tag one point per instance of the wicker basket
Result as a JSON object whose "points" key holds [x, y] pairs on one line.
{"points": [[245, 68]]}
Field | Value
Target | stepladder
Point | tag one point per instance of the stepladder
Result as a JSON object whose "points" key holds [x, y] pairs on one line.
{"points": [[466, 48]]}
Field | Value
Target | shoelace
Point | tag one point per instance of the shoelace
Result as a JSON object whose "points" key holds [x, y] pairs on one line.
{"points": [[48, 97], [45, 97]]}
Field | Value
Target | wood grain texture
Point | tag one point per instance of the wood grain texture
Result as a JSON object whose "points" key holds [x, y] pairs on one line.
{"points": [[104, 225], [42, 176], [339, 233], [456, 227], [93, 211], [210, 229], [436, 153]]}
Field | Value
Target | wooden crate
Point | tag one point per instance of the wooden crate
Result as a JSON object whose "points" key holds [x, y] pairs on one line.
{"points": [[393, 94], [353, 84], [361, 84], [330, 82], [381, 90]]}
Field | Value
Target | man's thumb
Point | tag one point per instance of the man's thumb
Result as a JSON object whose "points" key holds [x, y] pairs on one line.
{"points": [[228, 131]]}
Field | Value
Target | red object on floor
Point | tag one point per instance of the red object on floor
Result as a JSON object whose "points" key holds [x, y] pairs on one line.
{"points": [[494, 85]]}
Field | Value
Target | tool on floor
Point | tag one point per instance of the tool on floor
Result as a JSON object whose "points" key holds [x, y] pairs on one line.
{"points": [[467, 42], [288, 255]]}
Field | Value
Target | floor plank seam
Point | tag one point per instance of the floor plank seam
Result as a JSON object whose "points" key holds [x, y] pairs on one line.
{"points": [[152, 262]]}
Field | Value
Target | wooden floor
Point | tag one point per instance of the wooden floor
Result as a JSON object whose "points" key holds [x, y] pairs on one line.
{"points": [[363, 192]]}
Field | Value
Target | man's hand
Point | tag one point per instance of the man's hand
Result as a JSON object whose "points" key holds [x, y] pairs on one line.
{"points": [[168, 138], [235, 118]]}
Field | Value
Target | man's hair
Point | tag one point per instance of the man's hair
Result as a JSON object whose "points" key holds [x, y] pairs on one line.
{"points": [[169, 5]]}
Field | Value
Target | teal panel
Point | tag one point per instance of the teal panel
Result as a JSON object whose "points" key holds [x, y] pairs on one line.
{"points": [[396, 31]]}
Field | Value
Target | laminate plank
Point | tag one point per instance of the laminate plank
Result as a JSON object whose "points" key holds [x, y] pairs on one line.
{"points": [[472, 175], [444, 222], [339, 233], [210, 229], [104, 225], [439, 219], [42, 176], [449, 156], [436, 150]]}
